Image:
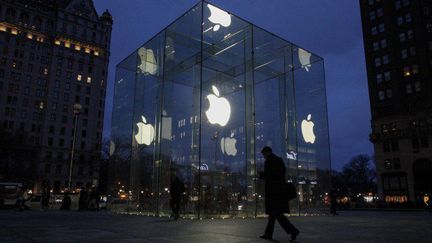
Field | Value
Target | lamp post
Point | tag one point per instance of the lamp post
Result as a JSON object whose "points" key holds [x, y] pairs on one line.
{"points": [[76, 110]]}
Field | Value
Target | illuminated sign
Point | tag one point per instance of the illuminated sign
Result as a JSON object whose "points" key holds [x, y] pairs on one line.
{"points": [[219, 111]]}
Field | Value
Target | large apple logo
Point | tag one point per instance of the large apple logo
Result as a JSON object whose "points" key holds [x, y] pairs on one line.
{"points": [[228, 145], [304, 57], [219, 111], [307, 127], [145, 133], [148, 63], [218, 17]]}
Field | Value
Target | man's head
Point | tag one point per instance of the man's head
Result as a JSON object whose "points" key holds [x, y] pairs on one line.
{"points": [[266, 152]]}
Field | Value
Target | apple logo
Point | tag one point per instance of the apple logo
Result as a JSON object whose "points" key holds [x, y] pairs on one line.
{"points": [[304, 57], [145, 133], [148, 63], [307, 127], [219, 111], [228, 145], [218, 17]]}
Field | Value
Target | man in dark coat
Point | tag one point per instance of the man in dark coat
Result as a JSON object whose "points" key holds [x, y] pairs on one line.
{"points": [[276, 196], [176, 190]]}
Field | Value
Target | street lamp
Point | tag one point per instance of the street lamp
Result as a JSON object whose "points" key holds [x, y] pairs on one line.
{"points": [[76, 110]]}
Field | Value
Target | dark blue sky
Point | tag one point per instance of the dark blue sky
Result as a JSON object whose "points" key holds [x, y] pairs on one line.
{"points": [[329, 28]]}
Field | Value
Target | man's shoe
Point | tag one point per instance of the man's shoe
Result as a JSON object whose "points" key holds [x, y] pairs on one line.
{"points": [[265, 237], [294, 235]]}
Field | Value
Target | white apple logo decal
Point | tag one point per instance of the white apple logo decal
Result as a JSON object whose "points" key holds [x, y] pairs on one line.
{"points": [[304, 57], [145, 133], [228, 145], [218, 17], [307, 127], [148, 63], [219, 111]]}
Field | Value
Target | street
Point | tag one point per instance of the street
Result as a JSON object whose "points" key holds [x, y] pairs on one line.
{"points": [[58, 226]]}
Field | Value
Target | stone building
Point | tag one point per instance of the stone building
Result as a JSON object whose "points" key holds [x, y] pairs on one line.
{"points": [[54, 55]]}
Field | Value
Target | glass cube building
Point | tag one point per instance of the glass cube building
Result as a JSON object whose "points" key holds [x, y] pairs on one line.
{"points": [[199, 101]]}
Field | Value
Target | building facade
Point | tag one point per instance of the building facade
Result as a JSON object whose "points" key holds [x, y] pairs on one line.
{"points": [[54, 55], [200, 100], [398, 48]]}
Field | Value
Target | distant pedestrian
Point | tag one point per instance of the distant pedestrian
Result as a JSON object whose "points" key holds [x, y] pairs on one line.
{"points": [[176, 190], [94, 199], [83, 200], [19, 205], [333, 202], [276, 196], [46, 194], [66, 202]]}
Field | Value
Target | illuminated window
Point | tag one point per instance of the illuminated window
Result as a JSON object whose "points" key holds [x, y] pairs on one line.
{"points": [[29, 36], [3, 28], [77, 47], [67, 44], [89, 80], [14, 32], [87, 50], [406, 72], [57, 42], [79, 77], [96, 53], [45, 71]]}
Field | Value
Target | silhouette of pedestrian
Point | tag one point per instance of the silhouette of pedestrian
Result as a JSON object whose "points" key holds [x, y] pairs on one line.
{"points": [[94, 199], [176, 190], [46, 193], [66, 202], [276, 196], [83, 200], [333, 202]]}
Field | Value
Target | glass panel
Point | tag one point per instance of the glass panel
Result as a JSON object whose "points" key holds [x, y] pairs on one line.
{"points": [[313, 140], [121, 129], [181, 112], [223, 141], [144, 176], [273, 100]]}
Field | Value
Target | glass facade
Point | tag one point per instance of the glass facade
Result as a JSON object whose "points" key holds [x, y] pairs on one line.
{"points": [[200, 100]]}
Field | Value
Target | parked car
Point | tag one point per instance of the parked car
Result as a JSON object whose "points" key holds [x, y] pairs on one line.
{"points": [[9, 193]]}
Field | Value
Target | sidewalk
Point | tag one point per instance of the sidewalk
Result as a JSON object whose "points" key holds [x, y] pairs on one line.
{"points": [[56, 226]]}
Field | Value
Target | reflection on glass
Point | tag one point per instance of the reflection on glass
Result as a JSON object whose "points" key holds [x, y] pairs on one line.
{"points": [[307, 128], [145, 133], [218, 17], [147, 60], [305, 59]]}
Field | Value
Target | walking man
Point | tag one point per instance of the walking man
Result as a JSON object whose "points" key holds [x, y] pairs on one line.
{"points": [[276, 198], [176, 190]]}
